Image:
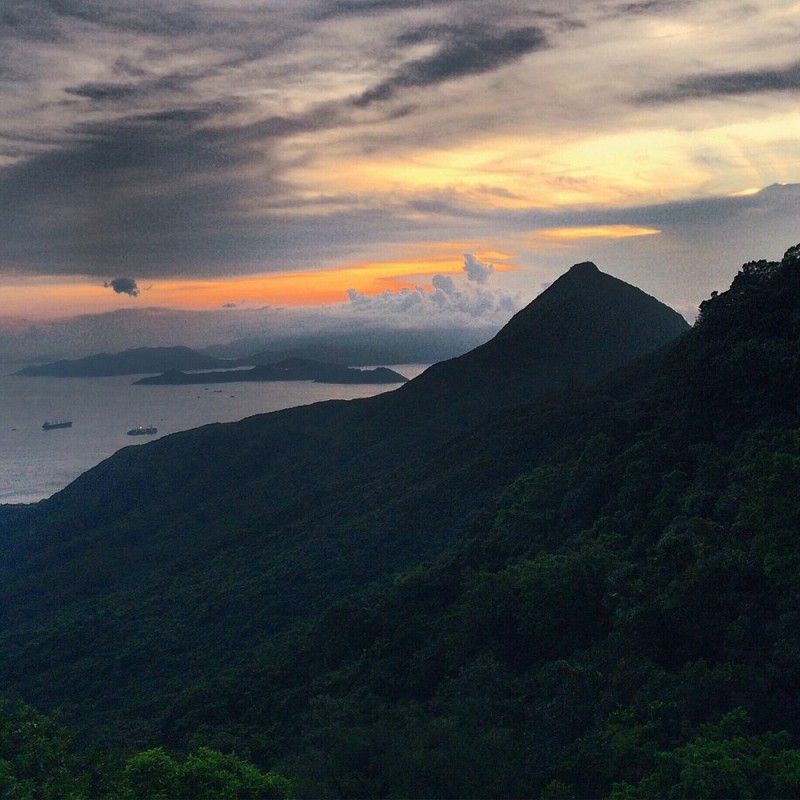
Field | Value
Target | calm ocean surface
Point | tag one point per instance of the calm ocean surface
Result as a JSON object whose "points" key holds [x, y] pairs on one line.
{"points": [[35, 464]]}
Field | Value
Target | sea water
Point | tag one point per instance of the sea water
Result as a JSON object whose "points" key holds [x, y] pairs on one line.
{"points": [[35, 463]]}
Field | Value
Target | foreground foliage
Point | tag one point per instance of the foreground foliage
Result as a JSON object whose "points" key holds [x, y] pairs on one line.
{"points": [[38, 762]]}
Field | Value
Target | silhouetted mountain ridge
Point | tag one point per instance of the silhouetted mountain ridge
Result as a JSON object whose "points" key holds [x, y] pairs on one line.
{"points": [[586, 324]]}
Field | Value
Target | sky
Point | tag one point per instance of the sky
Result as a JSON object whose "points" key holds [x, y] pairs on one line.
{"points": [[388, 157]]}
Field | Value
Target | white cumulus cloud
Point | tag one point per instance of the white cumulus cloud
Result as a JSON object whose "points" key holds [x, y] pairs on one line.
{"points": [[468, 295], [476, 270]]}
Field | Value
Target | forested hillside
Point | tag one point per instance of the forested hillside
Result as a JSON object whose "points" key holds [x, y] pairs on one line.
{"points": [[594, 592]]}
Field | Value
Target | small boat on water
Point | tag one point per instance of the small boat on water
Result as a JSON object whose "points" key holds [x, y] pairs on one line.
{"points": [[62, 423], [142, 430]]}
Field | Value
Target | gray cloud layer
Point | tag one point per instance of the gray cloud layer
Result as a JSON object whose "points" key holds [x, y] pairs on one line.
{"points": [[725, 84], [463, 52], [150, 139], [165, 167]]}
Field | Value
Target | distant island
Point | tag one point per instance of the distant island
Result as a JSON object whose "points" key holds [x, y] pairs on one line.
{"points": [[290, 369], [182, 365], [139, 361]]}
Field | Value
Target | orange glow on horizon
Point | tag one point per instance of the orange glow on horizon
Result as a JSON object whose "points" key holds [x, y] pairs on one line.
{"points": [[322, 287], [53, 297]]}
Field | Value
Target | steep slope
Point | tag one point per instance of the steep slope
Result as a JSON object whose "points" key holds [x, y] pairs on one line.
{"points": [[584, 325], [174, 558]]}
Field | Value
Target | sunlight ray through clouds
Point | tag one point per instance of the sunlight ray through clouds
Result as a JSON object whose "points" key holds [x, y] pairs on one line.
{"points": [[594, 232]]}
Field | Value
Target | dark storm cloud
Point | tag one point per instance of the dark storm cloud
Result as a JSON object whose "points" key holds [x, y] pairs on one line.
{"points": [[725, 84], [124, 286], [104, 91], [465, 51], [139, 88], [168, 193], [154, 192]]}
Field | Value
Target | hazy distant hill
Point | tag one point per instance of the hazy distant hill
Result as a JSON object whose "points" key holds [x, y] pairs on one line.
{"points": [[290, 369], [380, 345], [500, 580], [129, 362]]}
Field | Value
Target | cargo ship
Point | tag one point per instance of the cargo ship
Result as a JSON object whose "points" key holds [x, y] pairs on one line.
{"points": [[63, 423], [142, 430]]}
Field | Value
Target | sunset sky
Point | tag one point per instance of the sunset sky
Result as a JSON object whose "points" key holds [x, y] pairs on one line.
{"points": [[201, 155]]}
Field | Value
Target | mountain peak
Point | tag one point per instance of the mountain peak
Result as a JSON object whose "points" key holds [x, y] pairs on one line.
{"points": [[584, 325], [584, 268]]}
